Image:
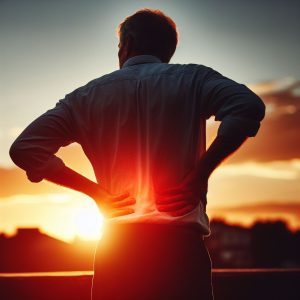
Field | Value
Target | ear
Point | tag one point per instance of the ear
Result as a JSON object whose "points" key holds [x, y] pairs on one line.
{"points": [[128, 45], [126, 49]]}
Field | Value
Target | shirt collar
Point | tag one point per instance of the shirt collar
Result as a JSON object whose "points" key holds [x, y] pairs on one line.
{"points": [[141, 59]]}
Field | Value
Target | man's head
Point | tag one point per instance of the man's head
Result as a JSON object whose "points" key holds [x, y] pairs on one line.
{"points": [[147, 32]]}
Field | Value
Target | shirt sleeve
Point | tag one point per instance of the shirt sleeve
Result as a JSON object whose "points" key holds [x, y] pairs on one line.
{"points": [[34, 150], [236, 106]]}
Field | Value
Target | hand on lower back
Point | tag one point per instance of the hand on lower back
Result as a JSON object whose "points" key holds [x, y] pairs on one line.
{"points": [[112, 205], [184, 197]]}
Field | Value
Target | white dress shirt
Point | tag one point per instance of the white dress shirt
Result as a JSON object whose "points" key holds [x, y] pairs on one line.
{"points": [[142, 128]]}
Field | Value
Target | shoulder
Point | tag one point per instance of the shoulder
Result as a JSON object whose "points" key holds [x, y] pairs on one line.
{"points": [[186, 68], [97, 83], [191, 70]]}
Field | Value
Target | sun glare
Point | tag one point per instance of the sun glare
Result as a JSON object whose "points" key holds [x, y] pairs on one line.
{"points": [[89, 223]]}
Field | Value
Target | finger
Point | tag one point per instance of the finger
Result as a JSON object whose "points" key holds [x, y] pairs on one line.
{"points": [[120, 197], [121, 212], [126, 202], [182, 211]]}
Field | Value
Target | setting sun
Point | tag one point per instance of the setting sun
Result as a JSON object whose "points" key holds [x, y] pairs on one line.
{"points": [[88, 223]]}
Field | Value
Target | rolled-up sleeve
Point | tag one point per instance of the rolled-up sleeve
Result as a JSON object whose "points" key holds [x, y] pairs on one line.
{"points": [[34, 150], [236, 106]]}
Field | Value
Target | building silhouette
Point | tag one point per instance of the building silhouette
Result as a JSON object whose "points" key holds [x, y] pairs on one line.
{"points": [[264, 245]]}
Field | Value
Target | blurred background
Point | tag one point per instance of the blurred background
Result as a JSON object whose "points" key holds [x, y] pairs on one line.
{"points": [[49, 48]]}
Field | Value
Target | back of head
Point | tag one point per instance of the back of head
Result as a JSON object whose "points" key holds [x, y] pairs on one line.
{"points": [[152, 32]]}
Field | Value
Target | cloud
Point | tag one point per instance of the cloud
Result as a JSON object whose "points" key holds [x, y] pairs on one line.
{"points": [[284, 170], [267, 206], [273, 86], [248, 214]]}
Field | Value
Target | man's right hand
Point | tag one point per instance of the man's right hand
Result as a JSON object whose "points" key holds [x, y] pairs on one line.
{"points": [[114, 205]]}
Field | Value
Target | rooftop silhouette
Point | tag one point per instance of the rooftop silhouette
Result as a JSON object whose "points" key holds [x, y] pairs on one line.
{"points": [[230, 246]]}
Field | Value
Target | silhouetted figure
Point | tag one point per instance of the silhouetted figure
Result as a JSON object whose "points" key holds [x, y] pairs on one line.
{"points": [[143, 129]]}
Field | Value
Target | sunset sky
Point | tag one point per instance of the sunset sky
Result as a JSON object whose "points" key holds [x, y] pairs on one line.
{"points": [[49, 48]]}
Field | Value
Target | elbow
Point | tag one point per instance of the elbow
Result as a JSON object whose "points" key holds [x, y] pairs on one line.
{"points": [[254, 109], [257, 111], [15, 153], [260, 109], [19, 155], [36, 164]]}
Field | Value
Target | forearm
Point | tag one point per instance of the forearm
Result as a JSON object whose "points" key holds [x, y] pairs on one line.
{"points": [[219, 150], [69, 178], [110, 205]]}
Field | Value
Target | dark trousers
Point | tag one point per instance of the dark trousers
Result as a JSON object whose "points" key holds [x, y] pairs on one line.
{"points": [[142, 261]]}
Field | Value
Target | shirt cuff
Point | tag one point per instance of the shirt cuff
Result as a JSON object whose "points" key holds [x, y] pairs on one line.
{"points": [[235, 127], [53, 165]]}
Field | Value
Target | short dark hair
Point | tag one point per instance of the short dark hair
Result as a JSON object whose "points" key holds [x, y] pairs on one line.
{"points": [[152, 32]]}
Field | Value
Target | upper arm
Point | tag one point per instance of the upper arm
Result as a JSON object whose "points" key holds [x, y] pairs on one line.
{"points": [[239, 109], [35, 147]]}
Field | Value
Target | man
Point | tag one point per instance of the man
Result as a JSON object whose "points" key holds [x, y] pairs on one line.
{"points": [[143, 129]]}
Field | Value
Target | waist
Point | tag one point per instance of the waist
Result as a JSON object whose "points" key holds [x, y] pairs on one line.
{"points": [[197, 218], [158, 228], [149, 235]]}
